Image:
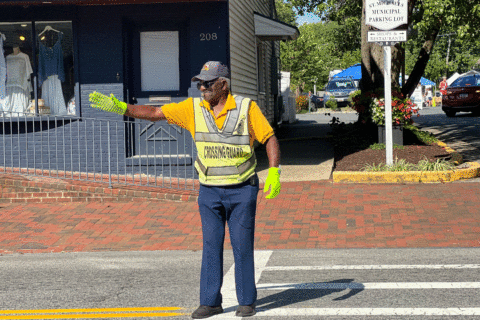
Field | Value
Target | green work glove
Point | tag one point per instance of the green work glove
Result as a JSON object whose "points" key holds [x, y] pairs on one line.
{"points": [[273, 180], [106, 103]]}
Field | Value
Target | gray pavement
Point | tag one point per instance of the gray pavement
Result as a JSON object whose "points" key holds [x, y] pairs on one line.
{"points": [[306, 154]]}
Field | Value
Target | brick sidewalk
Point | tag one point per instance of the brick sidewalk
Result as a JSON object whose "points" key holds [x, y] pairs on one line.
{"points": [[305, 215]]}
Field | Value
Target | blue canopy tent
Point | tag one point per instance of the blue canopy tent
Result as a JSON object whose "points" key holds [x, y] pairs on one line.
{"points": [[355, 72], [426, 82], [423, 81]]}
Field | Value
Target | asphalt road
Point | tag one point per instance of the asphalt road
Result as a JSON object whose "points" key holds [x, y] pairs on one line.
{"points": [[461, 132], [292, 284]]}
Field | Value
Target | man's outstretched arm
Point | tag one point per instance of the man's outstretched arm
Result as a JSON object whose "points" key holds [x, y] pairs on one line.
{"points": [[112, 104], [145, 112]]}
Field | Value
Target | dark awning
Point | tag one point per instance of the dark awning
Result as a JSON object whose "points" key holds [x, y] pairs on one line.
{"points": [[270, 29]]}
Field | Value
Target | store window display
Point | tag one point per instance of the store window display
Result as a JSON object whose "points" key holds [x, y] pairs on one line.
{"points": [[51, 70], [18, 86], [40, 56], [16, 68]]}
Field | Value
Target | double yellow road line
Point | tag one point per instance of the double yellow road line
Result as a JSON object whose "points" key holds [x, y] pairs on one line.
{"points": [[97, 313]]}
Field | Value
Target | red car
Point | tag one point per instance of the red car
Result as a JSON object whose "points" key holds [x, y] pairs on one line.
{"points": [[463, 95]]}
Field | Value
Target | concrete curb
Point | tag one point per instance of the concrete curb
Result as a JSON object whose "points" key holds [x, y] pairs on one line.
{"points": [[469, 170], [472, 171]]}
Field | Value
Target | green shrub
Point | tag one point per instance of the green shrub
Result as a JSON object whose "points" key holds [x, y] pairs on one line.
{"points": [[354, 95], [331, 103], [423, 136]]}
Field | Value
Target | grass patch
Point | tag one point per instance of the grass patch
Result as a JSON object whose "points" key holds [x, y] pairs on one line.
{"points": [[402, 165], [302, 111], [423, 136], [382, 146]]}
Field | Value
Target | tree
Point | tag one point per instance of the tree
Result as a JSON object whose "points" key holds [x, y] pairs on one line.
{"points": [[449, 55], [427, 19], [315, 53], [285, 12]]}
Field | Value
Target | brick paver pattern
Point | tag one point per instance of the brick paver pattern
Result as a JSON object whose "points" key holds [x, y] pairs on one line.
{"points": [[305, 215]]}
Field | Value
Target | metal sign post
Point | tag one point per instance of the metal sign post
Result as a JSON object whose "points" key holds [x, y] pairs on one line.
{"points": [[387, 15], [387, 71]]}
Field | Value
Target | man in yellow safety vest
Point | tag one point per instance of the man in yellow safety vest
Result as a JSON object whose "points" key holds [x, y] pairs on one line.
{"points": [[224, 127]]}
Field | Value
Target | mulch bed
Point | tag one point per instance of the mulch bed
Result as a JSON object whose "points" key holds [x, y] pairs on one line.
{"points": [[355, 156]]}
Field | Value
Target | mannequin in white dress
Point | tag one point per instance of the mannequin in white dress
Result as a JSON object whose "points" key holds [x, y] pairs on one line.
{"points": [[19, 88]]}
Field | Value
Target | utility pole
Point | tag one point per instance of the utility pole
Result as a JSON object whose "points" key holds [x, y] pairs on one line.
{"points": [[448, 48]]}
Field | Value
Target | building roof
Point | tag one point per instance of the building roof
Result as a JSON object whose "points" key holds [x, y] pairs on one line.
{"points": [[270, 29]]}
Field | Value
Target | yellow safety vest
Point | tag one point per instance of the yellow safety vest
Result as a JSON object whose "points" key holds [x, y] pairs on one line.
{"points": [[224, 156]]}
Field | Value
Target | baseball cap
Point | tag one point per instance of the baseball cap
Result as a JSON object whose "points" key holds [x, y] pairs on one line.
{"points": [[212, 70]]}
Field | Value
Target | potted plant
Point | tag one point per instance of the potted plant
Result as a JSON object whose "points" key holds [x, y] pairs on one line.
{"points": [[371, 109], [403, 109]]}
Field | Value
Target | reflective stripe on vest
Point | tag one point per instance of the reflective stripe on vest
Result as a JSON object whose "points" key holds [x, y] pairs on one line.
{"points": [[225, 156]]}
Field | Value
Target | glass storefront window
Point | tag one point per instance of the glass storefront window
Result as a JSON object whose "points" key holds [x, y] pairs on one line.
{"points": [[16, 57], [55, 67], [42, 57]]}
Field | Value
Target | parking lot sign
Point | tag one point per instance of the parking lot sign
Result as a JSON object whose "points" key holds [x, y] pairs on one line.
{"points": [[386, 14]]}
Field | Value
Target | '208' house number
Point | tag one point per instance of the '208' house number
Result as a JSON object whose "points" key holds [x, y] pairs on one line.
{"points": [[208, 36]]}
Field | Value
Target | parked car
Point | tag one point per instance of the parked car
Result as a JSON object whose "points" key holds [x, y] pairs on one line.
{"points": [[317, 101], [463, 95], [340, 89]]}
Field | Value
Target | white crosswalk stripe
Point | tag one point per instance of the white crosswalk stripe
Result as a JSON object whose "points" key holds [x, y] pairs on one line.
{"points": [[262, 258], [366, 286], [289, 312], [373, 267]]}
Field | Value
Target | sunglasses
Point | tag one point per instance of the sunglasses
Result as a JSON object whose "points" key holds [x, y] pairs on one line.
{"points": [[205, 84]]}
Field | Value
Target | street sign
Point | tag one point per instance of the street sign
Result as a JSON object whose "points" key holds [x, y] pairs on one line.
{"points": [[387, 38], [386, 14]]}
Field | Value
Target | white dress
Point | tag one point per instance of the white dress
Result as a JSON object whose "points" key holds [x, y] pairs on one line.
{"points": [[19, 88], [51, 76], [53, 95]]}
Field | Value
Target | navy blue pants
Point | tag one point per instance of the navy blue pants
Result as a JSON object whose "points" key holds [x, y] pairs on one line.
{"points": [[235, 205]]}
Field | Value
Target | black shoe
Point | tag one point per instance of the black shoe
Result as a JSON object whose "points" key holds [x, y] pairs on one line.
{"points": [[203, 312], [245, 311]]}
